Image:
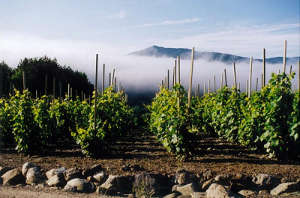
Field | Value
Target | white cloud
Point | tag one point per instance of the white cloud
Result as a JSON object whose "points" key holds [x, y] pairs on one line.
{"points": [[171, 22], [245, 41]]}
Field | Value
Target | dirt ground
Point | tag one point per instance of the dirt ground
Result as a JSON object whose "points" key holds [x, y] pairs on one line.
{"points": [[143, 150], [219, 156]]}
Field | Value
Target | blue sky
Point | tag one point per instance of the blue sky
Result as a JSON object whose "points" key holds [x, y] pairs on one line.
{"points": [[80, 27]]}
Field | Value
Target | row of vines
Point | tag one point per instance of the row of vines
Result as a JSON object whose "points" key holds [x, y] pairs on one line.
{"points": [[33, 125], [268, 121]]}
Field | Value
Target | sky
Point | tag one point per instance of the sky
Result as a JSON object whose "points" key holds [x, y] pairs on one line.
{"points": [[73, 31]]}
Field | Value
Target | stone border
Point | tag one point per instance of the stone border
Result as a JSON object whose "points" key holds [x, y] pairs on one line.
{"points": [[182, 184]]}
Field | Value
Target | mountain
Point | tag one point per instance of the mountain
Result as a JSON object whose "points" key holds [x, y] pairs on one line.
{"points": [[184, 53]]}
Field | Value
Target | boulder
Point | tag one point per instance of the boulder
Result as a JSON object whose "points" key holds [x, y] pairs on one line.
{"points": [[79, 185], [57, 181], [247, 193], [13, 177], [285, 188], [26, 167], [207, 183], [34, 176], [217, 191], [184, 177], [100, 177], [223, 179], [4, 170], [265, 181], [117, 183], [172, 195], [187, 189], [92, 170], [55, 171], [72, 173], [156, 183]]}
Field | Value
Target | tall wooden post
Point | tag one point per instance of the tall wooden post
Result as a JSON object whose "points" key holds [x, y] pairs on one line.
{"points": [[113, 77], [175, 70], [173, 77], [191, 79], [222, 81], [168, 81], [103, 79], [109, 79], [178, 63], [264, 69], [54, 86], [60, 88], [96, 83], [1, 82], [24, 80], [284, 56], [262, 80], [68, 90], [256, 86], [225, 77], [234, 76], [46, 84], [215, 85], [299, 75], [250, 78]]}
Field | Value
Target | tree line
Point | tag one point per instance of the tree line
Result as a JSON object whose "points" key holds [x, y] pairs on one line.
{"points": [[43, 76]]}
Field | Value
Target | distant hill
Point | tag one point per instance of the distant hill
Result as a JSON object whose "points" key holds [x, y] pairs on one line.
{"points": [[184, 53]]}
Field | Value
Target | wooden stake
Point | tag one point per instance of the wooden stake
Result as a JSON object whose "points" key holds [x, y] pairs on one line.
{"points": [[54, 86], [96, 83], [234, 76], [178, 61], [168, 80], [46, 84], [204, 88], [250, 78], [299, 75], [191, 79], [215, 85], [115, 84], [113, 77], [208, 88], [264, 68], [225, 77], [24, 80], [284, 56], [239, 86], [60, 89], [262, 80], [198, 88], [103, 79], [109, 79], [256, 86], [222, 81], [175, 72], [68, 90], [173, 83], [291, 69]]}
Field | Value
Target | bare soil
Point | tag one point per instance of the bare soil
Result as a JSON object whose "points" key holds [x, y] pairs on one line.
{"points": [[219, 156]]}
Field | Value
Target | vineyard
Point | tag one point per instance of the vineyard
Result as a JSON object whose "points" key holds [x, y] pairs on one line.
{"points": [[267, 121], [226, 130]]}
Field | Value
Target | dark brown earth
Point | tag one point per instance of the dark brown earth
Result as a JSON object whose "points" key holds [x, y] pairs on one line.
{"points": [[214, 154]]}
